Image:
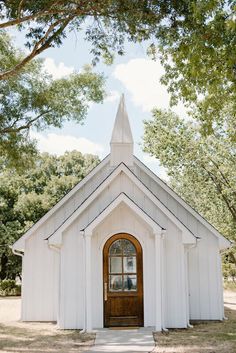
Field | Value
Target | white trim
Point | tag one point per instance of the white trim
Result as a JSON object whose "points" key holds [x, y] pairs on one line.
{"points": [[85, 204], [88, 283], [121, 231], [56, 237], [186, 276], [81, 183], [125, 199], [163, 282], [158, 283], [220, 287], [163, 185]]}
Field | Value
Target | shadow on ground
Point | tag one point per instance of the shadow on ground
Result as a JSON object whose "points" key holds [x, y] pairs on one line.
{"points": [[22, 339]]}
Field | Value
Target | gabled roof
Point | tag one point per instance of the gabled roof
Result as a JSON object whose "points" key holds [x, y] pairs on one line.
{"points": [[123, 198], [224, 242], [122, 151], [121, 168], [19, 244]]}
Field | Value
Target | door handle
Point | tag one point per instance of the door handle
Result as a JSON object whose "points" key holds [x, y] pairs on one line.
{"points": [[105, 291]]}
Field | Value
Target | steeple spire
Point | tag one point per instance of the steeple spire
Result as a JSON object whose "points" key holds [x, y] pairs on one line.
{"points": [[122, 139]]}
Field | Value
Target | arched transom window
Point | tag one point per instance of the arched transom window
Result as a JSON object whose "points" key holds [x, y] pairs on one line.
{"points": [[122, 266]]}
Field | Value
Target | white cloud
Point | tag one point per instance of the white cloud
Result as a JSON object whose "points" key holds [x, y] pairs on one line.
{"points": [[141, 77], [112, 96], [57, 71], [59, 144]]}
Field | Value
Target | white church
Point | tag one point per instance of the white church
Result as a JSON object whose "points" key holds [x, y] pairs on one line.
{"points": [[121, 249]]}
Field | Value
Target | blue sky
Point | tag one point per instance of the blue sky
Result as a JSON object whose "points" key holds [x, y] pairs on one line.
{"points": [[133, 74]]}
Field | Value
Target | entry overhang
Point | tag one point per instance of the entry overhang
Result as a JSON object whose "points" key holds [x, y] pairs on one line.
{"points": [[56, 237], [123, 198]]}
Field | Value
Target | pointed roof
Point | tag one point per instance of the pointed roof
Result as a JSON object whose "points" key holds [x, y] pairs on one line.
{"points": [[121, 130]]}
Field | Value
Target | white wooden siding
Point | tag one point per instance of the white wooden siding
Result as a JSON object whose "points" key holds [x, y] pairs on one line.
{"points": [[204, 270], [41, 264], [123, 219], [42, 267]]}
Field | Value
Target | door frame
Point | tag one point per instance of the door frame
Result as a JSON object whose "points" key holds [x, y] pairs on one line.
{"points": [[139, 249]]}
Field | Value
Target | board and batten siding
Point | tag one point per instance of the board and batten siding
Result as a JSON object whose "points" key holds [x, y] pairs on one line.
{"points": [[40, 281], [121, 219], [41, 265], [204, 261]]}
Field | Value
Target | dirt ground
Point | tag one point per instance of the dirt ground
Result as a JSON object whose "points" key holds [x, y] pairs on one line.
{"points": [[207, 337], [19, 337]]}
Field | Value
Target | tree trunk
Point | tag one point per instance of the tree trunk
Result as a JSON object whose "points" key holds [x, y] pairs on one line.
{"points": [[3, 266]]}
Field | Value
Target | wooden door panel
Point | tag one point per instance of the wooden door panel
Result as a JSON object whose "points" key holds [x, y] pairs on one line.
{"points": [[119, 306], [123, 301]]}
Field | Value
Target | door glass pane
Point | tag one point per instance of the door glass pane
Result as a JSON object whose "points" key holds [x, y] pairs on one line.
{"points": [[116, 248], [128, 248], [115, 264], [130, 283], [115, 283], [130, 264]]}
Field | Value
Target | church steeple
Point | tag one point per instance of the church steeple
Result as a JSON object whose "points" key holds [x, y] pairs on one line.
{"points": [[122, 139]]}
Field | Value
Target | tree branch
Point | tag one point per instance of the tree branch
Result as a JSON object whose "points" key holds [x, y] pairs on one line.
{"points": [[10, 129], [46, 43], [50, 11], [219, 190], [53, 10], [226, 182]]}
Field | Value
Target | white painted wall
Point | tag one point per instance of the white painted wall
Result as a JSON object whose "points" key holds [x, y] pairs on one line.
{"points": [[205, 280], [40, 270], [42, 267], [122, 219], [204, 262], [40, 281]]}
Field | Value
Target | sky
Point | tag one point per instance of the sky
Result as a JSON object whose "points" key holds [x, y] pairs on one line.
{"points": [[133, 74]]}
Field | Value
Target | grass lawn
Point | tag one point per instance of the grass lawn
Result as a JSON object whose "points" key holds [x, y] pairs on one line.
{"points": [[207, 337]]}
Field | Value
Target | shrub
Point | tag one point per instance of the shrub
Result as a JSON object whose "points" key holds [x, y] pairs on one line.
{"points": [[9, 287]]}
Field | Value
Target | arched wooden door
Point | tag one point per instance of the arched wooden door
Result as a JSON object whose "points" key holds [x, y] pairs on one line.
{"points": [[123, 281]]}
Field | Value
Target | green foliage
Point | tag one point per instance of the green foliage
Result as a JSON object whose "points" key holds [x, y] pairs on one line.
{"points": [[9, 287], [229, 271], [34, 100], [195, 40], [201, 168], [198, 50], [26, 196], [107, 24]]}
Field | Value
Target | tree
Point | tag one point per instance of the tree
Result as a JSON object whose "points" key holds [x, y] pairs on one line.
{"points": [[194, 39], [107, 24], [34, 100], [198, 49], [201, 168], [25, 197]]}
